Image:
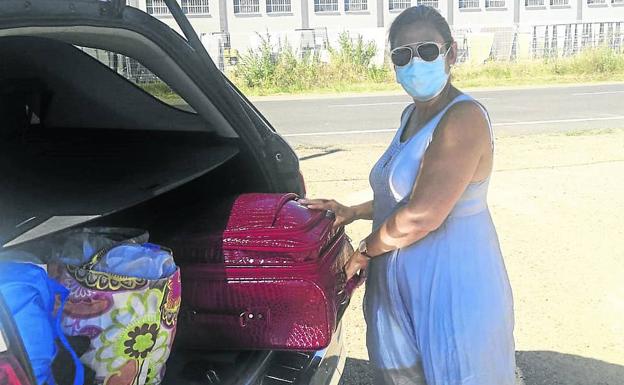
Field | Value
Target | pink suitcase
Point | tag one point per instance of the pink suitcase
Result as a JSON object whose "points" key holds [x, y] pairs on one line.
{"points": [[271, 279]]}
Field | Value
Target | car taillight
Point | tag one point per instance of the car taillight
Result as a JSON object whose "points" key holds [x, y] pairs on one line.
{"points": [[11, 373], [303, 186]]}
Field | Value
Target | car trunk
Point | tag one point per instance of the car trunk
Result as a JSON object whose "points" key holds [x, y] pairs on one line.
{"points": [[69, 158], [74, 176]]}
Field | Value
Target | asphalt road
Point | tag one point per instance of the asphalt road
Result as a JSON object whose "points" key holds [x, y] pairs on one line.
{"points": [[374, 118]]}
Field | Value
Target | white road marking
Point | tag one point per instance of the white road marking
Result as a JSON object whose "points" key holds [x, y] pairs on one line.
{"points": [[369, 104], [328, 133], [523, 123], [530, 122], [405, 103], [598, 93]]}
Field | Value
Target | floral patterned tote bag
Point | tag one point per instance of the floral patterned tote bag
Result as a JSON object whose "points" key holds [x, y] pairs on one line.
{"points": [[130, 319]]}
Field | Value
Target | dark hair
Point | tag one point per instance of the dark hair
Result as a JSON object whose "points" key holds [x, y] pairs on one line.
{"points": [[421, 14]]}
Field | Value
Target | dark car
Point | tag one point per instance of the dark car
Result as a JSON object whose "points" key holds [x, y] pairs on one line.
{"points": [[84, 138]]}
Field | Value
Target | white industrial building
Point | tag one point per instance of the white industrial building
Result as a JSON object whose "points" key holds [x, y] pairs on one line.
{"points": [[500, 27]]}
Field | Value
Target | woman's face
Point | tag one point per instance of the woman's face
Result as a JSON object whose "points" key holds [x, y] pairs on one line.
{"points": [[423, 33]]}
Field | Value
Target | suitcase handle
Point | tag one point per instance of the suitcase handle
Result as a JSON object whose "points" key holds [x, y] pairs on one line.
{"points": [[280, 205], [294, 197]]}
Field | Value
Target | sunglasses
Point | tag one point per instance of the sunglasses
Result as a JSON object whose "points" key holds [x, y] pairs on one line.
{"points": [[429, 51]]}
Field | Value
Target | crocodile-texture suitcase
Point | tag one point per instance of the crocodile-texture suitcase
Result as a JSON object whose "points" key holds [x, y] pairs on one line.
{"points": [[270, 278]]}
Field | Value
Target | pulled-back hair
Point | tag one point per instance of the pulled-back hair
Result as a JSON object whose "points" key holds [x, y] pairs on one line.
{"points": [[421, 14]]}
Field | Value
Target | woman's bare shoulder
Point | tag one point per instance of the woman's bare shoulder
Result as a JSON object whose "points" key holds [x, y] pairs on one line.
{"points": [[465, 122]]}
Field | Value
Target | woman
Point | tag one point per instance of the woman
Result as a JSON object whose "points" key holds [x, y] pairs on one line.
{"points": [[438, 303]]}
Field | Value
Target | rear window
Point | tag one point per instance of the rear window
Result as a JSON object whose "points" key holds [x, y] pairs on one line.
{"points": [[141, 76]]}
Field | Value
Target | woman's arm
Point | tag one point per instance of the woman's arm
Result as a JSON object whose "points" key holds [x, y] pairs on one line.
{"points": [[363, 211], [344, 214], [449, 165]]}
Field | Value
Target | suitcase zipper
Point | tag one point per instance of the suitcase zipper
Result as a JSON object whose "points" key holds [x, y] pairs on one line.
{"points": [[303, 228], [314, 246], [330, 252]]}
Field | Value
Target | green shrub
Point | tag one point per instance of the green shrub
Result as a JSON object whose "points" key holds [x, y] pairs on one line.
{"points": [[596, 61], [160, 90], [601, 64], [271, 69], [257, 67]]}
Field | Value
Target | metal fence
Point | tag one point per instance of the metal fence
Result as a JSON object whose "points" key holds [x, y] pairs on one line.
{"points": [[461, 37], [220, 49], [312, 41], [504, 44], [474, 45], [536, 42], [562, 40], [125, 66]]}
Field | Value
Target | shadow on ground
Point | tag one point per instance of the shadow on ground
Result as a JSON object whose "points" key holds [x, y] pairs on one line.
{"points": [[534, 368]]}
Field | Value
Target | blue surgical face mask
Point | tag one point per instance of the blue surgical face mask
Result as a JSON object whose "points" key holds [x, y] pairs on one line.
{"points": [[423, 80]]}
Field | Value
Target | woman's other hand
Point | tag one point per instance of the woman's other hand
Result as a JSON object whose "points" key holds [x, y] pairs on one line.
{"points": [[357, 263], [344, 214]]}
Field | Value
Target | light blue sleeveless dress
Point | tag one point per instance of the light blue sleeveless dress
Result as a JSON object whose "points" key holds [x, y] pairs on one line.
{"points": [[439, 312]]}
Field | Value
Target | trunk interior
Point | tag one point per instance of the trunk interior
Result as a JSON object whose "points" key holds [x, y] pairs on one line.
{"points": [[56, 176]]}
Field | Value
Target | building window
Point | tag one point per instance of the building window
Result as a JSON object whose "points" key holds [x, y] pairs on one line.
{"points": [[534, 3], [399, 4], [278, 6], [246, 6], [590, 2], [325, 5], [195, 7], [430, 3], [559, 3], [495, 3], [356, 5], [468, 4], [156, 7]]}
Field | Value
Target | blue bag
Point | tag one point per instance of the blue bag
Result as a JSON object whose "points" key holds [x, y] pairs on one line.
{"points": [[30, 296]]}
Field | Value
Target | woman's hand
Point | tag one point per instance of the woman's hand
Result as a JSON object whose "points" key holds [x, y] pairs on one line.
{"points": [[344, 214], [357, 263]]}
